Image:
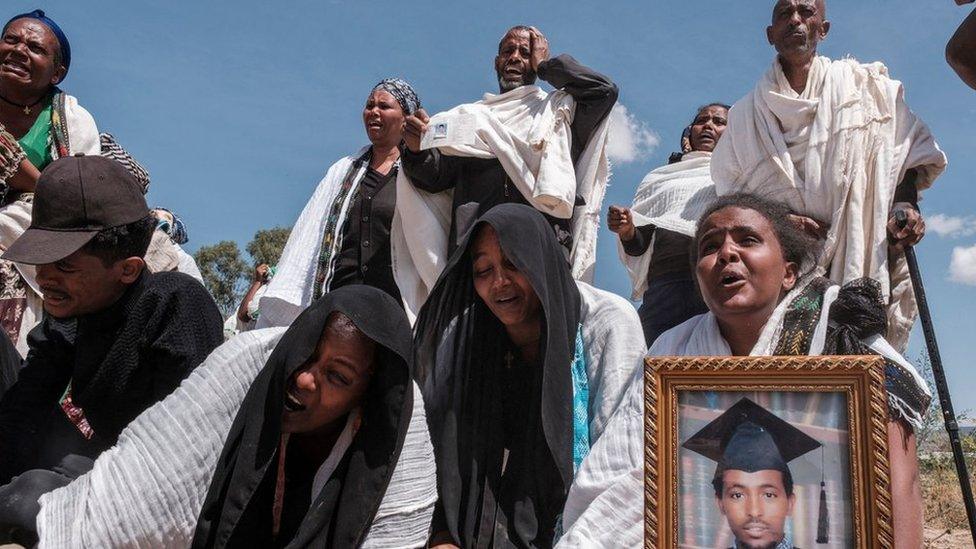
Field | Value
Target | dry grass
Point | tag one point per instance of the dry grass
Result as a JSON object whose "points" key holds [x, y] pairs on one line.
{"points": [[945, 516]]}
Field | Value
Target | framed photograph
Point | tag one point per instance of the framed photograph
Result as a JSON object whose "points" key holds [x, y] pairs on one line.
{"points": [[777, 452]]}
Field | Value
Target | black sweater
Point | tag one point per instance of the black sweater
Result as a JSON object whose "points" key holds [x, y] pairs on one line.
{"points": [[119, 361]]}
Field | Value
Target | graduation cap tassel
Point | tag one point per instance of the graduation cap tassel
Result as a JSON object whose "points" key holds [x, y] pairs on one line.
{"points": [[823, 521]]}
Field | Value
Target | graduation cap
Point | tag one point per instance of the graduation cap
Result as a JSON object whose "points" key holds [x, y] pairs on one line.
{"points": [[749, 438]]}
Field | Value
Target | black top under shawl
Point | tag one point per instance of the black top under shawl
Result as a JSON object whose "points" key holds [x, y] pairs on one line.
{"points": [[364, 255], [461, 350], [237, 511]]}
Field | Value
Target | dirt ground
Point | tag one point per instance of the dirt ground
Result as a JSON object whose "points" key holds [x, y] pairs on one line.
{"points": [[953, 539]]}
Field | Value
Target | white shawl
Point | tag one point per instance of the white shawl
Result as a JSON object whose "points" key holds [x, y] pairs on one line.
{"points": [[16, 216], [290, 291], [671, 197], [530, 133], [147, 490], [613, 342], [187, 264], [836, 152], [605, 507]]}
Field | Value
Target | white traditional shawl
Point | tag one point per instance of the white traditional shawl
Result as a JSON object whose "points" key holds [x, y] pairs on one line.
{"points": [[187, 264], [291, 289], [16, 216], [671, 197], [836, 152], [147, 490], [605, 507], [613, 342], [530, 133]]}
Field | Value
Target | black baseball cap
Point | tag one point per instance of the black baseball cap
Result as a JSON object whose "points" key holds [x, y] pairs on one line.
{"points": [[76, 197]]}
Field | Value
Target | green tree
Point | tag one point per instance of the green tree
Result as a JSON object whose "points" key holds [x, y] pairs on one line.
{"points": [[224, 273], [267, 245]]}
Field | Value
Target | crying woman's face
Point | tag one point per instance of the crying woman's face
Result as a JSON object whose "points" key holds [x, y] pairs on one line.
{"points": [[332, 383]]}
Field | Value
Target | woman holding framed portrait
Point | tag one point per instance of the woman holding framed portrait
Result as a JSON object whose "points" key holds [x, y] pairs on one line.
{"points": [[749, 263]]}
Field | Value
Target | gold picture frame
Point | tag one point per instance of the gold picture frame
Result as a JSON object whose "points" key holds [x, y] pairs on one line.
{"points": [[860, 378]]}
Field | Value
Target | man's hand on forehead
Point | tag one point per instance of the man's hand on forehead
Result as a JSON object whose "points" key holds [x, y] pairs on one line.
{"points": [[539, 47]]}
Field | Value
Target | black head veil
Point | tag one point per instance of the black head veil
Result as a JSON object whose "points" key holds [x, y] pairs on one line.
{"points": [[339, 515], [460, 355]]}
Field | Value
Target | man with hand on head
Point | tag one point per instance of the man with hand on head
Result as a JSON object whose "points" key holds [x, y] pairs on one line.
{"points": [[546, 150], [836, 142], [115, 338]]}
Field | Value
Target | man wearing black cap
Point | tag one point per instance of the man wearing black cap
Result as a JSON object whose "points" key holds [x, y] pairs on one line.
{"points": [[115, 338], [753, 483]]}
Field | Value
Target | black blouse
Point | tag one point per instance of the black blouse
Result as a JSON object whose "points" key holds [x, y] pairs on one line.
{"points": [[365, 256], [672, 251]]}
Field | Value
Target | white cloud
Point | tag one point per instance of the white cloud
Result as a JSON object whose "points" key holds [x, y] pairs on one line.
{"points": [[962, 268], [629, 138], [951, 226]]}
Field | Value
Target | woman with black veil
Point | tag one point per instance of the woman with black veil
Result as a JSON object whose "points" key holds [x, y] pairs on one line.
{"points": [[520, 367]]}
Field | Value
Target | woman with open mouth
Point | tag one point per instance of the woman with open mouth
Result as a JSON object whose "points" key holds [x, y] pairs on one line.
{"points": [[754, 267], [342, 236], [313, 449], [520, 367], [39, 123], [321, 437], [655, 232]]}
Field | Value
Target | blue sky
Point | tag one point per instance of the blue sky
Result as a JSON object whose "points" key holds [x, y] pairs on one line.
{"points": [[238, 108]]}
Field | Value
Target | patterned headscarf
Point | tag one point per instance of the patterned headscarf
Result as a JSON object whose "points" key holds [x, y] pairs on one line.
{"points": [[402, 92], [58, 33], [176, 230]]}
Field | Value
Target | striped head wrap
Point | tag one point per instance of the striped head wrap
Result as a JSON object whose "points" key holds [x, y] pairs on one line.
{"points": [[402, 92], [58, 33], [112, 149]]}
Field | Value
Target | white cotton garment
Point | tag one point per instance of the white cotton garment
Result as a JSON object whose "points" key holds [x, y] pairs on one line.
{"points": [[291, 289], [671, 197], [834, 152], [613, 342], [81, 128], [162, 255], [605, 507], [147, 490], [530, 133], [187, 264]]}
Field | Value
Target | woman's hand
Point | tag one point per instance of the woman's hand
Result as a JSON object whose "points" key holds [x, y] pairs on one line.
{"points": [[621, 222], [414, 127], [261, 274], [24, 176]]}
